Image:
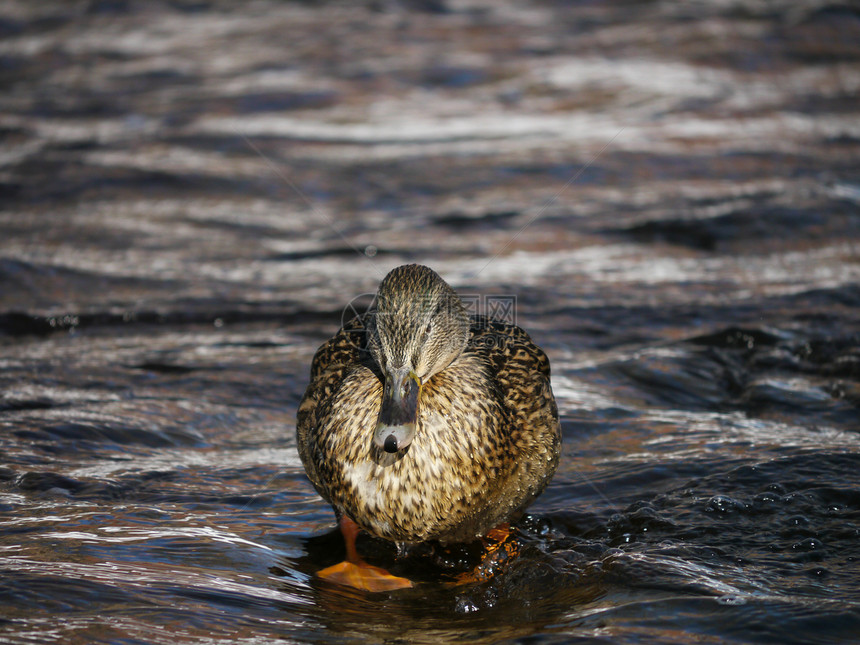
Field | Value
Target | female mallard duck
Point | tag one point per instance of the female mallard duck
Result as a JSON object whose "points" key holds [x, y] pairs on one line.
{"points": [[423, 423]]}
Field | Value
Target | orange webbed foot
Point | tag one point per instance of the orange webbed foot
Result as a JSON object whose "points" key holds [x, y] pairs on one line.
{"points": [[355, 572], [363, 576], [500, 546]]}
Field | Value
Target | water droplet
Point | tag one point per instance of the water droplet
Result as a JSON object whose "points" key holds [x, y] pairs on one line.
{"points": [[465, 606], [732, 599], [723, 504], [809, 544], [767, 498]]}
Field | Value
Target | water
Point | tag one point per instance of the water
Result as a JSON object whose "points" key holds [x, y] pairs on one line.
{"points": [[192, 193]]}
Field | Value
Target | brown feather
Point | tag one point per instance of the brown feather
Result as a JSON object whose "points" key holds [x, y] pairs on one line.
{"points": [[487, 440]]}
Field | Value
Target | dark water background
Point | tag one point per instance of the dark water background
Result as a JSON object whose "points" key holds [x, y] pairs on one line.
{"points": [[193, 191]]}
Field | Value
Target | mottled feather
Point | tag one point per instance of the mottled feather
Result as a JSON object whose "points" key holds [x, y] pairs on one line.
{"points": [[487, 440]]}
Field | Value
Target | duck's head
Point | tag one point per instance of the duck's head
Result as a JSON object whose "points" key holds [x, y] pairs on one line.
{"points": [[419, 329]]}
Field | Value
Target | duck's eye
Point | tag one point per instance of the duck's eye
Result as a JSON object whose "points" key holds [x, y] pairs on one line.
{"points": [[427, 330]]}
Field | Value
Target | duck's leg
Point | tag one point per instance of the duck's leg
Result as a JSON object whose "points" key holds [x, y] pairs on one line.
{"points": [[355, 572], [500, 546]]}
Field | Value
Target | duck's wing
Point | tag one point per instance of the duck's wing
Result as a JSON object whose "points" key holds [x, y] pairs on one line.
{"points": [[520, 373], [515, 362], [333, 361]]}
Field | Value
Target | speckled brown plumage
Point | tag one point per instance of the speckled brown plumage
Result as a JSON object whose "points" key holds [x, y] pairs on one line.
{"points": [[487, 434]]}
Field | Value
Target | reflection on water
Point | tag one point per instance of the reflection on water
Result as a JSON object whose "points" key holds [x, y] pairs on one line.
{"points": [[193, 192]]}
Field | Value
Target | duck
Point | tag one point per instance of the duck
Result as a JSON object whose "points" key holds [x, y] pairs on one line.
{"points": [[425, 423]]}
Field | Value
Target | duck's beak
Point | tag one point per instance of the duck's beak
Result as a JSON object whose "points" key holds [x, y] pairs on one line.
{"points": [[399, 411]]}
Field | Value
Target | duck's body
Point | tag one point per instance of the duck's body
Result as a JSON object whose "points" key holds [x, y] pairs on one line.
{"points": [[420, 423]]}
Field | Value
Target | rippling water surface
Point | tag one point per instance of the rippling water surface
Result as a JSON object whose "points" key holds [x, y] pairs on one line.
{"points": [[192, 192]]}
